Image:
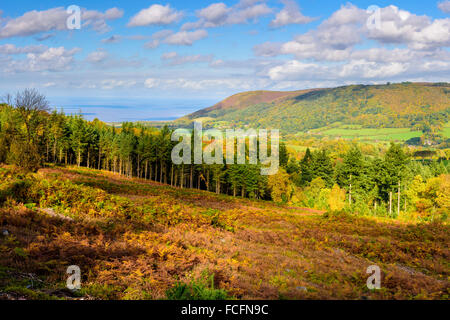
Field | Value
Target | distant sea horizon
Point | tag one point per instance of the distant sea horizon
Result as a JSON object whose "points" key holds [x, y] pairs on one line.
{"points": [[132, 111]]}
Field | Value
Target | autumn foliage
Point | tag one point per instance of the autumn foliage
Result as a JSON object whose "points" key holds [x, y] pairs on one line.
{"points": [[136, 239]]}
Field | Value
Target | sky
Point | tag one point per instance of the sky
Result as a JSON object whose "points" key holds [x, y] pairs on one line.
{"points": [[144, 60]]}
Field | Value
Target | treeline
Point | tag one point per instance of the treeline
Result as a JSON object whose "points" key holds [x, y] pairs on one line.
{"points": [[387, 185], [31, 135]]}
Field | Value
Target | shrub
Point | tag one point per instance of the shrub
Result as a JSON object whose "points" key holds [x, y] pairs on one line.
{"points": [[200, 289]]}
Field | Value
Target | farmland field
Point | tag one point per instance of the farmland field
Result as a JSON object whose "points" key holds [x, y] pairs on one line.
{"points": [[372, 134], [136, 239], [357, 132]]}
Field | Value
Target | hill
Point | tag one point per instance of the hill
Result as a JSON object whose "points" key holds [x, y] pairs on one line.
{"points": [[137, 239], [403, 105]]}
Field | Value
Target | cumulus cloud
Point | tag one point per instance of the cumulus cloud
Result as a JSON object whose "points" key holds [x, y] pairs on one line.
{"points": [[419, 32], [336, 37], [34, 22], [444, 6], [97, 20], [157, 37], [331, 52], [219, 14], [186, 38], [155, 15], [290, 14], [51, 59]]}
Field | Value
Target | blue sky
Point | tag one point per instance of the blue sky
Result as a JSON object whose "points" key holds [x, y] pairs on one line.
{"points": [[165, 59]]}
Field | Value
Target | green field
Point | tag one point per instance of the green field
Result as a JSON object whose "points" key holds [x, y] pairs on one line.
{"points": [[399, 134], [447, 130], [372, 134]]}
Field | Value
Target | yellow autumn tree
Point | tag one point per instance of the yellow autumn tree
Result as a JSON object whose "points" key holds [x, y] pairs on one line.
{"points": [[280, 186], [336, 198]]}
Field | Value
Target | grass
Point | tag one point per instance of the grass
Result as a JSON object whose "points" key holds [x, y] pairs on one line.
{"points": [[135, 239], [347, 131], [381, 134], [447, 130]]}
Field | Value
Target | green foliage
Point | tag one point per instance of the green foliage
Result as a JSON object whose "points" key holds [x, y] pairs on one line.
{"points": [[200, 289], [372, 106]]}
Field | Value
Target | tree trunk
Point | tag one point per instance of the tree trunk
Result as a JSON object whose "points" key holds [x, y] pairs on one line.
{"points": [[138, 166], [390, 203], [175, 183], [130, 167], [146, 169], [398, 205], [79, 158], [182, 177], [191, 178], [171, 175], [99, 158], [54, 151], [48, 152]]}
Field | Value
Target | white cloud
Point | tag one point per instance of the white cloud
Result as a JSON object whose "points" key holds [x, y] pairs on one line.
{"points": [[51, 59], [97, 56], [34, 22], [249, 13], [403, 27], [186, 38], [174, 59], [371, 70], [336, 37], [12, 49], [290, 14], [97, 20], [169, 55], [293, 70], [102, 60], [113, 83], [219, 14], [444, 6], [155, 15], [152, 44], [215, 14], [151, 83], [330, 52], [204, 84], [267, 49]]}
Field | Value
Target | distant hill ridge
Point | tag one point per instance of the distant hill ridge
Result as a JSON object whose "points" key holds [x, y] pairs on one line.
{"points": [[390, 105]]}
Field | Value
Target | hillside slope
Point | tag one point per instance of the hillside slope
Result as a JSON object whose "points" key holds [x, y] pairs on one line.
{"points": [[389, 106], [134, 239]]}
